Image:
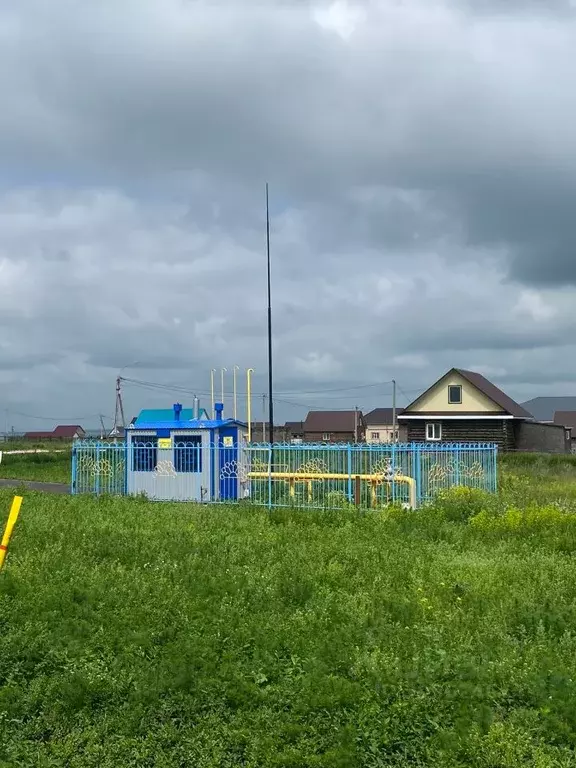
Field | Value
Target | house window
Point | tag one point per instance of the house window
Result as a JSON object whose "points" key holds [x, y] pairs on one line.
{"points": [[433, 431], [144, 453], [455, 394], [188, 453], [326, 436], [375, 435]]}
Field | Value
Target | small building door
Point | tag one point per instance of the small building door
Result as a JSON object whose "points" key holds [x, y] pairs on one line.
{"points": [[228, 463]]}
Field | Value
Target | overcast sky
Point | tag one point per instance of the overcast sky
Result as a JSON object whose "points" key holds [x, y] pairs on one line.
{"points": [[421, 157]]}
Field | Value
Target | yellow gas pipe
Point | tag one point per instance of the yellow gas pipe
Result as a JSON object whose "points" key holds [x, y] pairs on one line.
{"points": [[12, 517]]}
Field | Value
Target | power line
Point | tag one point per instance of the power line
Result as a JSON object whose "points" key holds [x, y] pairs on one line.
{"points": [[306, 405], [405, 394], [199, 391], [54, 418], [336, 389]]}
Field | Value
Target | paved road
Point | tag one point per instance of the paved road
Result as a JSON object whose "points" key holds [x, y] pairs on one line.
{"points": [[61, 488]]}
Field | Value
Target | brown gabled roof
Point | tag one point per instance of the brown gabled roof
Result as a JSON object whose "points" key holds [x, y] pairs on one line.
{"points": [[67, 430], [332, 421], [487, 388], [381, 416], [495, 394], [566, 419]]}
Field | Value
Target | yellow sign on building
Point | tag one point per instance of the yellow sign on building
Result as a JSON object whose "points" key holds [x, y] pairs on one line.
{"points": [[164, 442]]}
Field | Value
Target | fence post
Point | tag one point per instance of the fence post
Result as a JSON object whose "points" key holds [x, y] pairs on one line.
{"points": [[494, 468], [74, 471], [349, 469], [270, 476], [97, 471], [393, 472], [457, 464], [417, 463], [358, 491], [127, 457]]}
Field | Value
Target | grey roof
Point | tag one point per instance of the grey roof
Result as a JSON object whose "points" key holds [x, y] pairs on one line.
{"points": [[381, 416], [544, 408], [294, 426], [566, 419], [332, 421]]}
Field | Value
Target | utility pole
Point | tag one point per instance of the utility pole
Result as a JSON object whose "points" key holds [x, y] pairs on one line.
{"points": [[355, 423], [119, 419], [270, 401], [394, 419]]}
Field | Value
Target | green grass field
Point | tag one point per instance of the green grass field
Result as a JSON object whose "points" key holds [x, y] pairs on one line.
{"points": [[148, 634], [45, 467]]}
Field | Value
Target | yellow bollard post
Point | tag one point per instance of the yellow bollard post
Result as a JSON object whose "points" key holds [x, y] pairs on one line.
{"points": [[12, 517]]}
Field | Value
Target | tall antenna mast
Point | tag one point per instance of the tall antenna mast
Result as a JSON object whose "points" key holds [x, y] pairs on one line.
{"points": [[270, 400]]}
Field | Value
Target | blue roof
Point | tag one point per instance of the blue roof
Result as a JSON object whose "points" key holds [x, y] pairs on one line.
{"points": [[192, 424], [143, 422], [166, 414], [163, 418]]}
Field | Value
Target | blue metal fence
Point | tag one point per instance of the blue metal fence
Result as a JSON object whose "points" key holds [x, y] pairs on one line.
{"points": [[305, 475]]}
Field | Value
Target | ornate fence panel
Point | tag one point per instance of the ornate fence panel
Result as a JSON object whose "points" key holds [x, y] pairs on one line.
{"points": [[99, 468], [443, 466]]}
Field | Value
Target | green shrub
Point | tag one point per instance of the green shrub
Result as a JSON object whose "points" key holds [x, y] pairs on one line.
{"points": [[338, 500], [460, 503], [529, 519]]}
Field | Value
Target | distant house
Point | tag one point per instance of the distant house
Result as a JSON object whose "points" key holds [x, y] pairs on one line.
{"points": [[334, 427], [379, 426], [544, 408], [463, 406], [260, 432], [294, 431], [38, 435], [567, 419], [62, 432]]}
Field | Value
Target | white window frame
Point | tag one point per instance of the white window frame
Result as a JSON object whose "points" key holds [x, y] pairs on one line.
{"points": [[455, 402], [374, 435], [431, 431], [326, 437]]}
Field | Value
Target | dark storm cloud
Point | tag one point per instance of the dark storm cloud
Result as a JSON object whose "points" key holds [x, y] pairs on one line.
{"points": [[421, 161]]}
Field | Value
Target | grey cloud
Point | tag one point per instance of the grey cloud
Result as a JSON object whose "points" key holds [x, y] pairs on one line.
{"points": [[422, 172]]}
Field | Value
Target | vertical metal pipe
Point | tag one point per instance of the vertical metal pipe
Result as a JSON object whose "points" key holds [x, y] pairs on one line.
{"points": [[394, 419], [222, 372], [212, 372], [249, 373], [270, 401], [236, 369]]}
